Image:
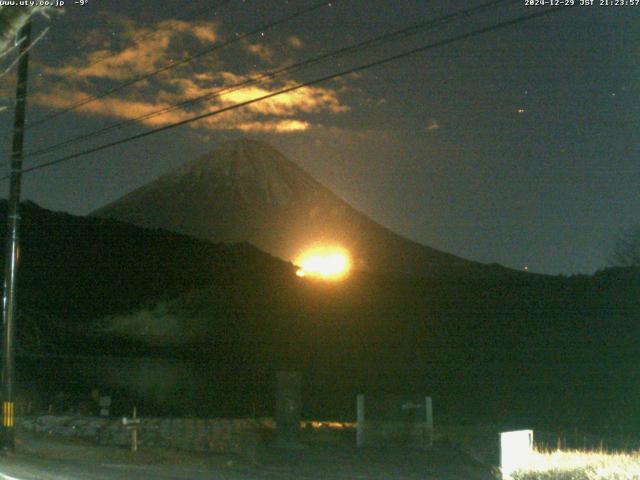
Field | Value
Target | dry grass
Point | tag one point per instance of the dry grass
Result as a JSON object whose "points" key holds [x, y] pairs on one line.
{"points": [[581, 465]]}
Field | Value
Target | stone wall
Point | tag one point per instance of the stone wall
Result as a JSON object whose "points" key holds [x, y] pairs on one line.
{"points": [[196, 434]]}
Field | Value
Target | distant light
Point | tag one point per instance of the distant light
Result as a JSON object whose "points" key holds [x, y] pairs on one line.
{"points": [[329, 263], [526, 268], [520, 110]]}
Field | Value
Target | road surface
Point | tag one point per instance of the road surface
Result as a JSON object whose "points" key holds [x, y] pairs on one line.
{"points": [[43, 458]]}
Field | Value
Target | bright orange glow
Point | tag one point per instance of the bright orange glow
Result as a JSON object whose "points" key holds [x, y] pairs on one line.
{"points": [[330, 263]]}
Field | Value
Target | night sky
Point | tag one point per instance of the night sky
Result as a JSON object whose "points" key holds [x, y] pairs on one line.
{"points": [[519, 146]]}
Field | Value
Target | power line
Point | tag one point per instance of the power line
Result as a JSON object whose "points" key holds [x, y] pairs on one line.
{"points": [[405, 32], [333, 76], [216, 46]]}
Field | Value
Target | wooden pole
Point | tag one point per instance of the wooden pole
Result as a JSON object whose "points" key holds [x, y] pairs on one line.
{"points": [[12, 256]]}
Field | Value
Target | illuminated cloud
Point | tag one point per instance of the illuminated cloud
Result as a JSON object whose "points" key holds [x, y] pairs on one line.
{"points": [[295, 42], [144, 49], [205, 32], [305, 99], [124, 109], [261, 51], [432, 125], [271, 126]]}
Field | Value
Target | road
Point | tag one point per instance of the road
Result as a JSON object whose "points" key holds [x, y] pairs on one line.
{"points": [[28, 467], [46, 458], [20, 467]]}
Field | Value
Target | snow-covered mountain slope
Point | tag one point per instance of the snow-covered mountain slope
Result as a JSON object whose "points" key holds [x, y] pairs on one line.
{"points": [[248, 191]]}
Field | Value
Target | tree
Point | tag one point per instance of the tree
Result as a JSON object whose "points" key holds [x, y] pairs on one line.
{"points": [[626, 251]]}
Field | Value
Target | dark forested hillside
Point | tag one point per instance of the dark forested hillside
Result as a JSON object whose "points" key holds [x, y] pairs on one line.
{"points": [[83, 268], [203, 327]]}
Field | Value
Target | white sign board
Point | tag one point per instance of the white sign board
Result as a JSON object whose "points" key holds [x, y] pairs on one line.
{"points": [[515, 450]]}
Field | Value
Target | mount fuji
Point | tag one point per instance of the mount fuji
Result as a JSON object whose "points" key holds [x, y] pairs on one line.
{"points": [[247, 190]]}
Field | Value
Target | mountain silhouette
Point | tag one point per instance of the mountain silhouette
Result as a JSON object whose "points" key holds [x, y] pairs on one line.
{"points": [[247, 190], [104, 304]]}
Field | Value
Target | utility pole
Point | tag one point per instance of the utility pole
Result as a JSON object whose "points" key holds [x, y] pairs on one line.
{"points": [[12, 255]]}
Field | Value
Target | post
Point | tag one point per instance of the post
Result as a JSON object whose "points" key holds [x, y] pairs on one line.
{"points": [[288, 408], [12, 257], [132, 424], [360, 420], [428, 406], [134, 432]]}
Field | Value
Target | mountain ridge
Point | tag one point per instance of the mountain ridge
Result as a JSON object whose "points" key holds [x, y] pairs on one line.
{"points": [[247, 190]]}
